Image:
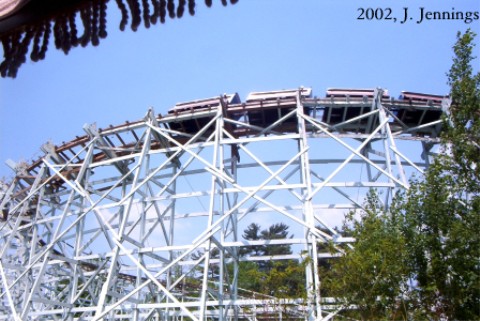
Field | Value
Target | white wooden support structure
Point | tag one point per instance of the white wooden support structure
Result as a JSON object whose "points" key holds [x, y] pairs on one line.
{"points": [[144, 221]]}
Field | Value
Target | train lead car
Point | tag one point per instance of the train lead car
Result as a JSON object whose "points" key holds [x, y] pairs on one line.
{"points": [[306, 92], [267, 107], [194, 119], [204, 104]]}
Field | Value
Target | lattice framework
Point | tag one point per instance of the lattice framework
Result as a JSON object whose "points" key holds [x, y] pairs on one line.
{"points": [[144, 221]]}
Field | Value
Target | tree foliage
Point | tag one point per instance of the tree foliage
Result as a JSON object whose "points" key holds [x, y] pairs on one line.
{"points": [[420, 259], [275, 231], [372, 274], [463, 133], [283, 278], [252, 233]]}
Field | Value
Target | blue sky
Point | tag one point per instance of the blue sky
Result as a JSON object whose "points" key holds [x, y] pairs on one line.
{"points": [[255, 45]]}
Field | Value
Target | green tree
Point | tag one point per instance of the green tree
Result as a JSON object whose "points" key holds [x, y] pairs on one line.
{"points": [[463, 132], [442, 212], [372, 275], [282, 278], [434, 227], [250, 277], [285, 280], [252, 233], [275, 232]]}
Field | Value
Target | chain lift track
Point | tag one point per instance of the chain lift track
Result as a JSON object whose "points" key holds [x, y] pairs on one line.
{"points": [[144, 221]]}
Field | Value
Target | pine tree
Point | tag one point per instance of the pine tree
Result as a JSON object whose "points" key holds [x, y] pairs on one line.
{"points": [[252, 233], [282, 278], [275, 232]]}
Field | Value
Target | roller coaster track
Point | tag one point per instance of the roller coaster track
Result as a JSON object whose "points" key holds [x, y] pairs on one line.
{"points": [[143, 220]]}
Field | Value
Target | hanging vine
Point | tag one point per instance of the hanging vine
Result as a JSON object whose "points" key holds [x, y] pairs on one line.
{"points": [[34, 37]]}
